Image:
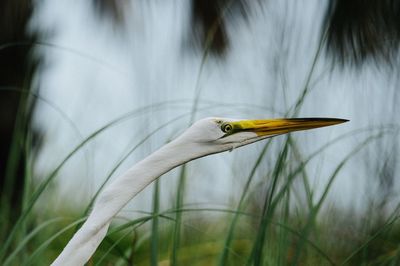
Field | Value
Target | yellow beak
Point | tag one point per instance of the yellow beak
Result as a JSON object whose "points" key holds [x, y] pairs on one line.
{"points": [[283, 125]]}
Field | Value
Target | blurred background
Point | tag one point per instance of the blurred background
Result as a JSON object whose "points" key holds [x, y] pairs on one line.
{"points": [[88, 88]]}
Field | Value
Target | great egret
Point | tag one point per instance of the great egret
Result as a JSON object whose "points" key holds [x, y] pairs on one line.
{"points": [[205, 137]]}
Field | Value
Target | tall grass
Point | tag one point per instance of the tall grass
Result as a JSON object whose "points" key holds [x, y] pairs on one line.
{"points": [[272, 234], [272, 229]]}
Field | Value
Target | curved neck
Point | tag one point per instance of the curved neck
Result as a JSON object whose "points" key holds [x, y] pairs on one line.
{"points": [[116, 195], [139, 176]]}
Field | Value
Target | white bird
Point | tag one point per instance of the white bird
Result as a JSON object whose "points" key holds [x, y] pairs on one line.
{"points": [[205, 137]]}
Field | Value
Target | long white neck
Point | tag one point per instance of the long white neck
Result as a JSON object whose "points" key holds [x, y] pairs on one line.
{"points": [[115, 196]]}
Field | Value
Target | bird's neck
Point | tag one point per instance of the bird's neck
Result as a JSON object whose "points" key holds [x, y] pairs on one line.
{"points": [[139, 176], [116, 195]]}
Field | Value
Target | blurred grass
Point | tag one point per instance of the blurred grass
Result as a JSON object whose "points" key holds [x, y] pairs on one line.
{"points": [[271, 229], [267, 232]]}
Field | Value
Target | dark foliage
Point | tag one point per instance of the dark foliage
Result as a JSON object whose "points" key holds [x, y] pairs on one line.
{"points": [[208, 22], [358, 30], [206, 15], [16, 68], [362, 30], [110, 8]]}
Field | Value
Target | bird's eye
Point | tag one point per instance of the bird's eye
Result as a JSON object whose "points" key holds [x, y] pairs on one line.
{"points": [[226, 128]]}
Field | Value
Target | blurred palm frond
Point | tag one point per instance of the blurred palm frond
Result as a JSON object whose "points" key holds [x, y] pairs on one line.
{"points": [[360, 31]]}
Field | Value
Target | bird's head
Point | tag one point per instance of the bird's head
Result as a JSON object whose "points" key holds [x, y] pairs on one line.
{"points": [[214, 134]]}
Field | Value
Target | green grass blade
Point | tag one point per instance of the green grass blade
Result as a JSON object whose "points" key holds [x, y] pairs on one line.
{"points": [[27, 238], [256, 255], [44, 245], [314, 212], [385, 227], [178, 217], [230, 235], [154, 227]]}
